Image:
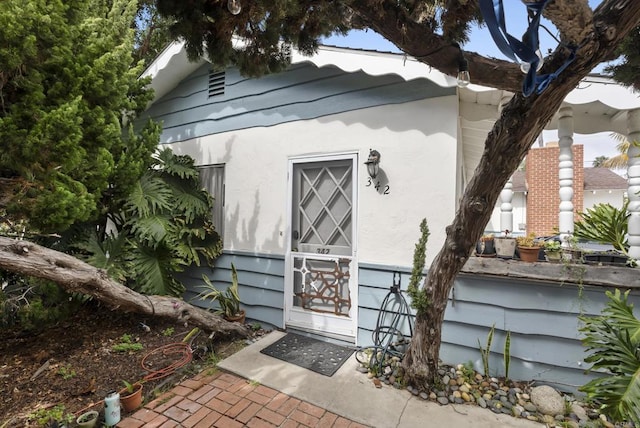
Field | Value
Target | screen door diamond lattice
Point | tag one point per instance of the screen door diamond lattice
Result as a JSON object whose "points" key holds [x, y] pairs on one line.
{"points": [[323, 209]]}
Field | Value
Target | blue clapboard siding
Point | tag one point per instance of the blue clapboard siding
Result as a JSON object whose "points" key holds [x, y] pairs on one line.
{"points": [[304, 91], [542, 318], [260, 284]]}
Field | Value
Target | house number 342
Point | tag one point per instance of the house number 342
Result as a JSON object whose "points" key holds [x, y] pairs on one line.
{"points": [[376, 185]]}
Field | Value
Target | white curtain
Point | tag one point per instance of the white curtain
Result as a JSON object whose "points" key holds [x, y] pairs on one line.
{"points": [[212, 179]]}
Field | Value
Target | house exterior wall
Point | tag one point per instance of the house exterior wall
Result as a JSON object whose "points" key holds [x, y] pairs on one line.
{"points": [[614, 198], [543, 187], [541, 316], [259, 124], [301, 92]]}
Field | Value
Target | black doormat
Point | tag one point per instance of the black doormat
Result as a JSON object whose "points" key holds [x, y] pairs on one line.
{"points": [[321, 357]]}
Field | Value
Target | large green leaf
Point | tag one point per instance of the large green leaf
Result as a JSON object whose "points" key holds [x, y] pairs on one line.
{"points": [[152, 230], [108, 254], [153, 269], [149, 196], [612, 340]]}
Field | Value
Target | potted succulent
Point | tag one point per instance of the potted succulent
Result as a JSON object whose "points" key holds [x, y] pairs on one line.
{"points": [[228, 300], [485, 246], [553, 250], [571, 252], [131, 396], [505, 245], [88, 419], [528, 247]]}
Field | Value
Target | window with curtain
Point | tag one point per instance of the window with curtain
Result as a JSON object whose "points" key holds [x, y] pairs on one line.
{"points": [[212, 179]]}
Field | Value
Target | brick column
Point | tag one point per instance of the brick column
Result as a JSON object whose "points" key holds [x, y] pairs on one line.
{"points": [[543, 187]]}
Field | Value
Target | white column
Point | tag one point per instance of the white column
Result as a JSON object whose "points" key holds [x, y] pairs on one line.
{"points": [[506, 207], [633, 172], [565, 172]]}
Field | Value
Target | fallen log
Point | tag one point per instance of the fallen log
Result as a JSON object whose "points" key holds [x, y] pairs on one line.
{"points": [[76, 276]]}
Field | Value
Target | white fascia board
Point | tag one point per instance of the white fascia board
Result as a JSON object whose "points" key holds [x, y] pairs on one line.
{"points": [[375, 64]]}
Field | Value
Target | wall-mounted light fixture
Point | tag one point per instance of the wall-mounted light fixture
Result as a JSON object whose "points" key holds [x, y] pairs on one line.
{"points": [[372, 163]]}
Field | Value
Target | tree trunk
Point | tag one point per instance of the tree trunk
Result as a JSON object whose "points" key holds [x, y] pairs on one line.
{"points": [[76, 276], [522, 120]]}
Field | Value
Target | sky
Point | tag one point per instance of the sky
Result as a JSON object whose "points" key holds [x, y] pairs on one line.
{"points": [[480, 41]]}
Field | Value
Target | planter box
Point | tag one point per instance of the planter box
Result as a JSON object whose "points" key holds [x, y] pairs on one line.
{"points": [[505, 247], [606, 259]]}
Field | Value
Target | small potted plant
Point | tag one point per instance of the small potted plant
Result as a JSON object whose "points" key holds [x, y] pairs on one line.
{"points": [[571, 252], [131, 396], [485, 246], [528, 247], [228, 300], [88, 419], [505, 245], [553, 250]]}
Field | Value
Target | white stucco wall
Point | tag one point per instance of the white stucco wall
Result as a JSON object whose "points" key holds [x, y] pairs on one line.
{"points": [[417, 143], [612, 197]]}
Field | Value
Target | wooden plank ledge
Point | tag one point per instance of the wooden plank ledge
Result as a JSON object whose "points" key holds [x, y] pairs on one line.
{"points": [[607, 276]]}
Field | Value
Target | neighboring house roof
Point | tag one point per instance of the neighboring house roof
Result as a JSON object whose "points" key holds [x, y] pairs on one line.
{"points": [[519, 184], [603, 179], [594, 179]]}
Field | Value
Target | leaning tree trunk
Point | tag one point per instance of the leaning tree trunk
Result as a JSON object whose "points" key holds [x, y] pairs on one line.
{"points": [[522, 120], [76, 276]]}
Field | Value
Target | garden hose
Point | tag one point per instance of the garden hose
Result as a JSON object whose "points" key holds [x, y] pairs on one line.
{"points": [[388, 339]]}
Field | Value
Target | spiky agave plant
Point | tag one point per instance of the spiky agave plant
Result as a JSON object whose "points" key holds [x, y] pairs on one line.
{"points": [[613, 341]]}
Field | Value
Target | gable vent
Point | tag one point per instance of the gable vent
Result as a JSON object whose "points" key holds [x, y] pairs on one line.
{"points": [[216, 83]]}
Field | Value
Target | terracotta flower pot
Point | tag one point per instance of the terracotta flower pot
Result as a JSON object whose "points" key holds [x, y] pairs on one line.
{"points": [[130, 401], [529, 254]]}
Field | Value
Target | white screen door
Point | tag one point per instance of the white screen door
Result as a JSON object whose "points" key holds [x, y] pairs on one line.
{"points": [[321, 292]]}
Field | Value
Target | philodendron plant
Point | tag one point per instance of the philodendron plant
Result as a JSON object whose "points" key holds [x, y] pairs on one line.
{"points": [[613, 342]]}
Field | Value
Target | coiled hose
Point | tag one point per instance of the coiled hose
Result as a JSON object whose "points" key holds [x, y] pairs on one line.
{"points": [[388, 339]]}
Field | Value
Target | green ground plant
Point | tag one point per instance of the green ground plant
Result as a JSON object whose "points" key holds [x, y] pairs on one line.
{"points": [[486, 351], [67, 372], [127, 345], [55, 414], [612, 340], [168, 331]]}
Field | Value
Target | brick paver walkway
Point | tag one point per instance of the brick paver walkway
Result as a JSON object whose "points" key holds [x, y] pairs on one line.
{"points": [[223, 400]]}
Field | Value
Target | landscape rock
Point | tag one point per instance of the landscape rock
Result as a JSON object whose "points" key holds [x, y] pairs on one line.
{"points": [[580, 412], [547, 400]]}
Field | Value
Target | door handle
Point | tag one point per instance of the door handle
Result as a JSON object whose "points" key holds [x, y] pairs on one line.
{"points": [[296, 235]]}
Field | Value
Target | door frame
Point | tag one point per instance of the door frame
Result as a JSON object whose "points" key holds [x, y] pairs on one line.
{"points": [[288, 264]]}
